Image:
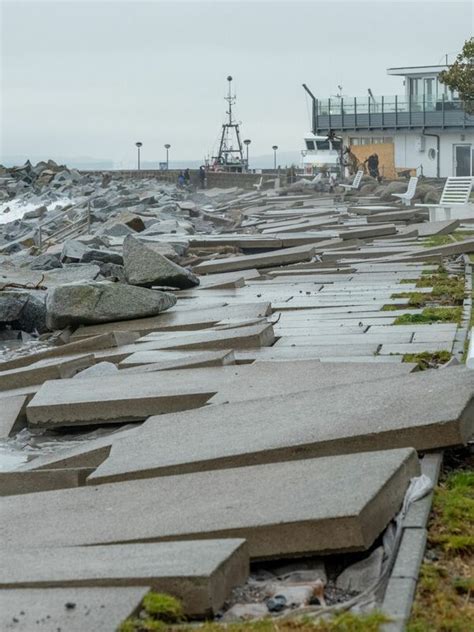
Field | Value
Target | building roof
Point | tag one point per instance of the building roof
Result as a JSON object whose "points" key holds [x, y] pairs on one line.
{"points": [[416, 70]]}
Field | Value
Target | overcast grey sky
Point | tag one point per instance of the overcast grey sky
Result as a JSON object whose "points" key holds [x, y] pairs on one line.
{"points": [[90, 78]]}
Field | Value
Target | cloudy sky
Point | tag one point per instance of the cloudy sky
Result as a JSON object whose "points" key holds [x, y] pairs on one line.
{"points": [[81, 78]]}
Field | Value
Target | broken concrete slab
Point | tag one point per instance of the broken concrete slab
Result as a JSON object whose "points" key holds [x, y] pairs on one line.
{"points": [[68, 609], [278, 514], [78, 346], [46, 369], [156, 360], [88, 454], [322, 424], [113, 399], [428, 229], [27, 482], [201, 573], [192, 319], [264, 260], [12, 415], [261, 335]]}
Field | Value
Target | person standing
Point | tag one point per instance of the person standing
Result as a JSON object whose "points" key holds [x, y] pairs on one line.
{"points": [[187, 177], [202, 177]]}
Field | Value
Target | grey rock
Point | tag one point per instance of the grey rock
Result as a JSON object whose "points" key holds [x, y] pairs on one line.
{"points": [[145, 265], [11, 306], [33, 316], [46, 262], [112, 271], [104, 256], [245, 611], [393, 187], [96, 302], [73, 250], [359, 576], [35, 213], [24, 310]]}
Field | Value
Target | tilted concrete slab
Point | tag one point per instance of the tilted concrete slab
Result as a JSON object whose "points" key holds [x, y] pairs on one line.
{"points": [[47, 369], [112, 399], [85, 346], [196, 318], [335, 420], [272, 506], [427, 229], [306, 352], [12, 415], [75, 403], [88, 454], [153, 360], [201, 573], [366, 232], [68, 609], [264, 260], [27, 482], [261, 335]]}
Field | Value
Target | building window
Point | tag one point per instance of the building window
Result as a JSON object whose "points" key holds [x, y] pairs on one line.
{"points": [[370, 140]]}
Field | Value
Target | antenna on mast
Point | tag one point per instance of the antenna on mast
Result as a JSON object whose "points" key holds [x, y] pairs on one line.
{"points": [[228, 158]]}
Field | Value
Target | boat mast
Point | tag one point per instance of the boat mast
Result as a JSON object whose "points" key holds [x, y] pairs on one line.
{"points": [[228, 156]]}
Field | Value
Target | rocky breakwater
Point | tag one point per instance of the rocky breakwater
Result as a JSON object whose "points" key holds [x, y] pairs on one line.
{"points": [[85, 249]]}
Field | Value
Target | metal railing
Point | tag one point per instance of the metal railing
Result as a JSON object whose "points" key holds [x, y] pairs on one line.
{"points": [[390, 112], [77, 227]]}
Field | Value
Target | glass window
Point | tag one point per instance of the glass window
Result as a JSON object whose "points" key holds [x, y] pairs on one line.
{"points": [[309, 144], [336, 144], [322, 144]]}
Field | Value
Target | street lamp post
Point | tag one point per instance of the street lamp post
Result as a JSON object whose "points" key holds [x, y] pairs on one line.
{"points": [[275, 147], [247, 142], [167, 147], [138, 145]]}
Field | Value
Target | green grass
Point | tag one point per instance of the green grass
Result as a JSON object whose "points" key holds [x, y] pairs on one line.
{"points": [[159, 610], [437, 240], [446, 290], [343, 622], [444, 593], [431, 315], [426, 359], [161, 613]]}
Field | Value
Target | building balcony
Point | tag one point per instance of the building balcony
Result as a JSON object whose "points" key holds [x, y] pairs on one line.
{"points": [[389, 113]]}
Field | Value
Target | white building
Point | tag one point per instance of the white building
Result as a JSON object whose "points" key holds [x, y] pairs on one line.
{"points": [[427, 124]]}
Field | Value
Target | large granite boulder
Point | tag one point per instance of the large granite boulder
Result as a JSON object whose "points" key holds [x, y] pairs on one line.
{"points": [[145, 265], [394, 187], [102, 302], [23, 310]]}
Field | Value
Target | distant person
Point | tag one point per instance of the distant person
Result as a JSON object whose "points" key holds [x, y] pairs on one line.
{"points": [[350, 161], [202, 177], [373, 166], [187, 176], [181, 180]]}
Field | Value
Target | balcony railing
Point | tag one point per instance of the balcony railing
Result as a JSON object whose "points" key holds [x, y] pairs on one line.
{"points": [[390, 112]]}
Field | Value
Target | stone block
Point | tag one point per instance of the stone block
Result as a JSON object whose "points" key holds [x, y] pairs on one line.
{"points": [[201, 573], [272, 506], [372, 415], [261, 335], [410, 554], [192, 319], [12, 415], [47, 369], [264, 260], [68, 609], [27, 482]]}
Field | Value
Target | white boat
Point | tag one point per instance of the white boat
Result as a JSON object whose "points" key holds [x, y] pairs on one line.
{"points": [[321, 155]]}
